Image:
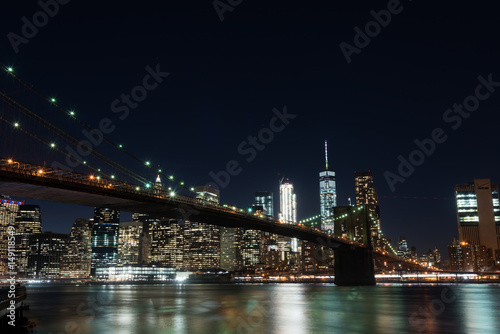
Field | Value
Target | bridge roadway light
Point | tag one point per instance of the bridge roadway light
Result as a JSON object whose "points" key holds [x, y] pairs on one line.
{"points": [[16, 124], [147, 163], [10, 69], [52, 145], [172, 193], [53, 100]]}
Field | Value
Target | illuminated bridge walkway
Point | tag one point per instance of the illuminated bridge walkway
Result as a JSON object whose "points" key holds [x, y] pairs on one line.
{"points": [[353, 261]]}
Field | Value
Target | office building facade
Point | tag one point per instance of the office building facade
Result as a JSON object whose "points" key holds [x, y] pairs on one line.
{"points": [[105, 238], [366, 195], [265, 200], [76, 259], [45, 255], [478, 215], [28, 222]]}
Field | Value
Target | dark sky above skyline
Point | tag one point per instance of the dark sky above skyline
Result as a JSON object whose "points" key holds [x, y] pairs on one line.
{"points": [[226, 77]]}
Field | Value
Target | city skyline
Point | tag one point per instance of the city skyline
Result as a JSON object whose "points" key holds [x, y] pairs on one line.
{"points": [[356, 105]]}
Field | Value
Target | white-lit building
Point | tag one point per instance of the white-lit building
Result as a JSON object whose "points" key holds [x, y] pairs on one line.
{"points": [[478, 215], [288, 215], [135, 273], [327, 194]]}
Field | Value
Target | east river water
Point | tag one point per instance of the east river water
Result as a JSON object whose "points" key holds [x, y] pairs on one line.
{"points": [[264, 308]]}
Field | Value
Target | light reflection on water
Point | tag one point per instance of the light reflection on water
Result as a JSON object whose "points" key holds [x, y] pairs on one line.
{"points": [[264, 308]]}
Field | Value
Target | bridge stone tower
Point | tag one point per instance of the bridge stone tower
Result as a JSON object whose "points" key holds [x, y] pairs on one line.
{"points": [[353, 264]]}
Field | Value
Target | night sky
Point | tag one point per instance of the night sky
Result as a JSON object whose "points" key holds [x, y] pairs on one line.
{"points": [[226, 77]]}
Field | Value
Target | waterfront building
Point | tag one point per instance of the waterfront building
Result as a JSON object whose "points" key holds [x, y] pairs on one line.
{"points": [[166, 248], [45, 255], [250, 248], [105, 238], [28, 222], [230, 245], [130, 236], [469, 258], [201, 246], [327, 194], [478, 215], [75, 262], [135, 273]]}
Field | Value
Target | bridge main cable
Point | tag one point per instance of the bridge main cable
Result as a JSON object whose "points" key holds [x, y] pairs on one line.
{"points": [[68, 137], [109, 141]]}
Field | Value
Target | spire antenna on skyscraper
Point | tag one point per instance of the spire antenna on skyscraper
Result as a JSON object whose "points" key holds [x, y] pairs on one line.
{"points": [[326, 153]]}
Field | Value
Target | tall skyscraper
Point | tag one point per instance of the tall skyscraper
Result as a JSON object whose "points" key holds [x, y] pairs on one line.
{"points": [[105, 238], [230, 248], [327, 194], [468, 258], [366, 195], [130, 243], [46, 252], [478, 215], [8, 214], [288, 215], [201, 246], [166, 237], [288, 203], [265, 200], [250, 248], [75, 262], [28, 222]]}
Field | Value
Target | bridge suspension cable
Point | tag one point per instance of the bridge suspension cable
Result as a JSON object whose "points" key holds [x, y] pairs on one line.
{"points": [[53, 103], [68, 137]]}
